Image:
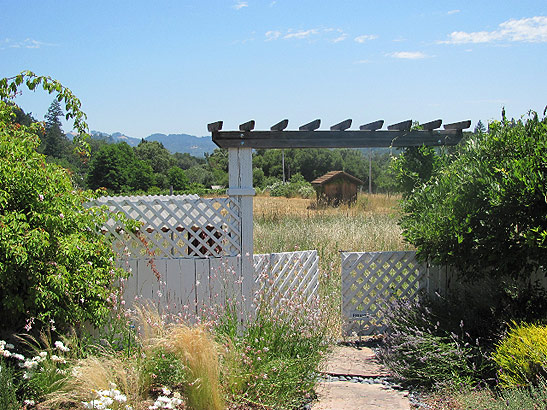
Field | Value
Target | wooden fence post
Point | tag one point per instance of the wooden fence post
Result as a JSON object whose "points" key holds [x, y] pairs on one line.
{"points": [[240, 169]]}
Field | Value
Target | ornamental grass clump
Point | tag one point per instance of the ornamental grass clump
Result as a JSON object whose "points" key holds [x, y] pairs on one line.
{"points": [[198, 352], [183, 357], [8, 391], [468, 398], [522, 355]]}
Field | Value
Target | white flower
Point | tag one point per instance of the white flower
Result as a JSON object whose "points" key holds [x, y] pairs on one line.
{"points": [[120, 398], [59, 345], [29, 364], [9, 346], [57, 359], [166, 391], [43, 354], [29, 402]]}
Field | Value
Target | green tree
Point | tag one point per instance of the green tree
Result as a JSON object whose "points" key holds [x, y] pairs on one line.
{"points": [[54, 141], [479, 128], [54, 263], [200, 174], [486, 211], [116, 168], [184, 160], [414, 167], [156, 155], [178, 179]]}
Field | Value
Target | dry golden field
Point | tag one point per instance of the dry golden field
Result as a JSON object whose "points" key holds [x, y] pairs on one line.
{"points": [[282, 225]]}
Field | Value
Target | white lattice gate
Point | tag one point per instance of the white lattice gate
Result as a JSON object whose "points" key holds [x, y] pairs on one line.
{"points": [[287, 274], [370, 280]]}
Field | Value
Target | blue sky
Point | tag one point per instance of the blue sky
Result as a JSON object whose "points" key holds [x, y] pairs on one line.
{"points": [[173, 66]]}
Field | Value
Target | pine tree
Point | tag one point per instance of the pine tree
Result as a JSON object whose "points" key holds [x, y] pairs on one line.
{"points": [[54, 143]]}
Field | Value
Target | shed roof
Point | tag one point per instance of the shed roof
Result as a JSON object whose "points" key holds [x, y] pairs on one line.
{"points": [[329, 176]]}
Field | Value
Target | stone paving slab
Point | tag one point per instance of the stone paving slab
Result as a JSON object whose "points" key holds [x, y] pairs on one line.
{"points": [[355, 396], [354, 361]]}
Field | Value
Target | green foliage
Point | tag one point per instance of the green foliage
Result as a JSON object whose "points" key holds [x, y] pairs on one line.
{"points": [[116, 168], [54, 263], [276, 356], [485, 212], [522, 355], [423, 349], [296, 187], [178, 179], [9, 383], [185, 160], [467, 398], [54, 141], [9, 88], [415, 167], [163, 368]]}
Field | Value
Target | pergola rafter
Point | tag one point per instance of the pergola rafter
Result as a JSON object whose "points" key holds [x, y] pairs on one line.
{"points": [[339, 136]]}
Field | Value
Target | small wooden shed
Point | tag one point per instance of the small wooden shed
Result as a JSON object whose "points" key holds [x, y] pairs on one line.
{"points": [[337, 187]]}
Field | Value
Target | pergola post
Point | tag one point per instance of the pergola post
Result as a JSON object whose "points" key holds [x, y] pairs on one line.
{"points": [[240, 170]]}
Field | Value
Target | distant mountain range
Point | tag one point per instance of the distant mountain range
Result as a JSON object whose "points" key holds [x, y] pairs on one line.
{"points": [[196, 146]]}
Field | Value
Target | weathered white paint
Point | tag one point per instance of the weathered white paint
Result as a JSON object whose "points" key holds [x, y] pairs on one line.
{"points": [[240, 178]]}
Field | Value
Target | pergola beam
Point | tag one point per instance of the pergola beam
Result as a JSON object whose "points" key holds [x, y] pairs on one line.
{"points": [[369, 135], [334, 139]]}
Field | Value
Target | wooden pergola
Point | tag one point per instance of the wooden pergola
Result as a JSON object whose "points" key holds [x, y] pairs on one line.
{"points": [[240, 144], [339, 135]]}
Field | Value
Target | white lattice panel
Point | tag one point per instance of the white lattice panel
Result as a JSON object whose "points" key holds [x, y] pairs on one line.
{"points": [[176, 226], [282, 275], [373, 279]]}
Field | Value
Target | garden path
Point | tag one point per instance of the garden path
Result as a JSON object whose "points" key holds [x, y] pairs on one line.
{"points": [[355, 380]]}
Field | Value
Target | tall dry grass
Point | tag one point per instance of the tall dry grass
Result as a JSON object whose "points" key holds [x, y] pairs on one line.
{"points": [[285, 225]]}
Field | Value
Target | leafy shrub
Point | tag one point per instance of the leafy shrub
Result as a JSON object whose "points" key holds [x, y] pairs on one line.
{"points": [[522, 355], [55, 265], [296, 187], [485, 211], [428, 343], [163, 368], [421, 352]]}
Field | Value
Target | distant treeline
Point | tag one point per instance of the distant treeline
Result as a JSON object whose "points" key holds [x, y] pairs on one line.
{"points": [[151, 168]]}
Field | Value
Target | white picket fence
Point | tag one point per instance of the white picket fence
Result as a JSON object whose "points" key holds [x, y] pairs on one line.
{"points": [[371, 280]]}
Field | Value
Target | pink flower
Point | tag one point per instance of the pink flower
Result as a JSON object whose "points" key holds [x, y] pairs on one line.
{"points": [[29, 324], [61, 216], [40, 197]]}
